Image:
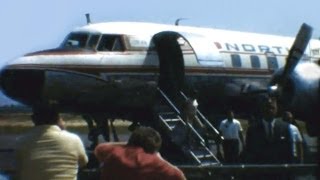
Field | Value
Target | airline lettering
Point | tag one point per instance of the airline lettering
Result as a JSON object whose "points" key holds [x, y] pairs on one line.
{"points": [[252, 48]]}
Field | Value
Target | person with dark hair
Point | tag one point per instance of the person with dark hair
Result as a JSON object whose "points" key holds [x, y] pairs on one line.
{"points": [[268, 141], [47, 151], [138, 159], [231, 131]]}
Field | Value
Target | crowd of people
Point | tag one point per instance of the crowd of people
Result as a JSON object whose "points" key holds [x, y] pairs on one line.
{"points": [[49, 150], [269, 139]]}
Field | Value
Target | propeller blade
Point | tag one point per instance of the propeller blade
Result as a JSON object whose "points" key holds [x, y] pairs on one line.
{"points": [[297, 49]]}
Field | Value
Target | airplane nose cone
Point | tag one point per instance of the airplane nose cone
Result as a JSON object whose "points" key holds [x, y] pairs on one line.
{"points": [[1, 72], [23, 85]]}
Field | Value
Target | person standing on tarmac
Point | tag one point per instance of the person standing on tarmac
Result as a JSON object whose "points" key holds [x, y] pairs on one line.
{"points": [[296, 138], [268, 141], [231, 131]]}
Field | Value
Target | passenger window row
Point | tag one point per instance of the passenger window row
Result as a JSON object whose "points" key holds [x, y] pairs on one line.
{"points": [[255, 61]]}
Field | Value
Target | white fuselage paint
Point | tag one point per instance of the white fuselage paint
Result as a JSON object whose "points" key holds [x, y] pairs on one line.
{"points": [[207, 55]]}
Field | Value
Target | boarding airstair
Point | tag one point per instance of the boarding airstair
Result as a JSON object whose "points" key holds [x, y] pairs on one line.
{"points": [[175, 127]]}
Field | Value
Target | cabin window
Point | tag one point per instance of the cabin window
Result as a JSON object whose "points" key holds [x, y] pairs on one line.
{"points": [[272, 62], [255, 62], [76, 40], [184, 45], [111, 43], [139, 43], [235, 60]]}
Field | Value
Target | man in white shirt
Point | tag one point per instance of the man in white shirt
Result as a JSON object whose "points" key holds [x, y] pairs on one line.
{"points": [[231, 131], [296, 138]]}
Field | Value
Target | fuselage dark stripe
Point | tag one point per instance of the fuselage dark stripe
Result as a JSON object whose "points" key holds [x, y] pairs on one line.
{"points": [[143, 69]]}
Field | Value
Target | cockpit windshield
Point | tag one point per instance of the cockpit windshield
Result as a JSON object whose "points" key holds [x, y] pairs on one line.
{"points": [[105, 42], [81, 40], [76, 40]]}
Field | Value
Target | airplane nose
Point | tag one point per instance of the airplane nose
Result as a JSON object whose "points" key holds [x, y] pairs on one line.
{"points": [[23, 85]]}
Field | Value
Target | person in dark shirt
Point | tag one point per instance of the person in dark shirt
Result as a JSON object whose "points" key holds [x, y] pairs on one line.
{"points": [[268, 141]]}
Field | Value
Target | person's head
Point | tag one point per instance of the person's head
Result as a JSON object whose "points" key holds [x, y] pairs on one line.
{"points": [[230, 115], [45, 115], [61, 123], [147, 138], [269, 107], [287, 117]]}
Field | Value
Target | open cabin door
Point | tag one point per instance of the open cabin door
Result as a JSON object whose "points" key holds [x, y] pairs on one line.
{"points": [[171, 63]]}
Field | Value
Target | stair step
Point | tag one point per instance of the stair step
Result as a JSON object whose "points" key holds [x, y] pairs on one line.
{"points": [[205, 156], [172, 120]]}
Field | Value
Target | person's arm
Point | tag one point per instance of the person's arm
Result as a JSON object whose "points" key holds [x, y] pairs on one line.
{"points": [[241, 135], [83, 158], [299, 146], [241, 138]]}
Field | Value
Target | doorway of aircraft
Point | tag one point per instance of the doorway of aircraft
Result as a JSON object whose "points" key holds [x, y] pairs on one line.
{"points": [[171, 63]]}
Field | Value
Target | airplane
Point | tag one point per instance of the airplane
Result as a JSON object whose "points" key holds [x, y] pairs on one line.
{"points": [[113, 70]]}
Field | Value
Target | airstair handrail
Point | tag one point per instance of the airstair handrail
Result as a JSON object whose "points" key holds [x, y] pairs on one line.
{"points": [[178, 112], [168, 101]]}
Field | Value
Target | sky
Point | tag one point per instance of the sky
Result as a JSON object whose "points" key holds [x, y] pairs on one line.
{"points": [[32, 25]]}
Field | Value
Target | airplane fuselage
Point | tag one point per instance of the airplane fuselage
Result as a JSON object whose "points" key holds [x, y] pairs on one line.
{"points": [[117, 67]]}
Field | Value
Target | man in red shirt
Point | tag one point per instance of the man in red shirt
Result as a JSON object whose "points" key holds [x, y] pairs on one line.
{"points": [[138, 159]]}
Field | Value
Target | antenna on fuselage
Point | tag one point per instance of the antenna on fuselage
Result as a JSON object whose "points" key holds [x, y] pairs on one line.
{"points": [[88, 18], [178, 20]]}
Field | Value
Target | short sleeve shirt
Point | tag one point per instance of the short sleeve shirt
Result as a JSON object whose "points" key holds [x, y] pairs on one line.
{"points": [[230, 130], [47, 152]]}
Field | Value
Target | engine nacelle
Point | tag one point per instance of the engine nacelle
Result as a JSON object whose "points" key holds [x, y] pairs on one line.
{"points": [[299, 93]]}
